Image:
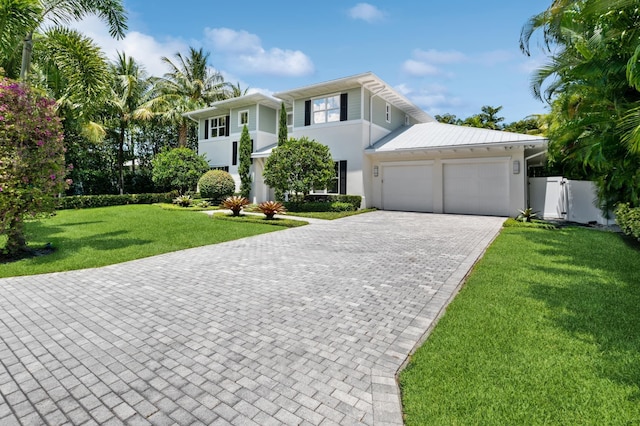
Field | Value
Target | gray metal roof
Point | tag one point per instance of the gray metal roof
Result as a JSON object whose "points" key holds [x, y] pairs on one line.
{"points": [[434, 135], [367, 80]]}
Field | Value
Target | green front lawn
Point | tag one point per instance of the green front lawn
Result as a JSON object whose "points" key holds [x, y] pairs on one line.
{"points": [[545, 331], [89, 238]]}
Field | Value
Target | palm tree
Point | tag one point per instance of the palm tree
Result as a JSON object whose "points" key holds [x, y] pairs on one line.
{"points": [[61, 12], [235, 91], [128, 92], [17, 18], [592, 83], [190, 84]]}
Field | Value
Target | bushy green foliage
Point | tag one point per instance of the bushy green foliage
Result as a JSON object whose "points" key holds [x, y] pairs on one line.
{"points": [[244, 166], [32, 165], [88, 201], [179, 169], [216, 185], [354, 200], [319, 206], [183, 200], [298, 166], [629, 220]]}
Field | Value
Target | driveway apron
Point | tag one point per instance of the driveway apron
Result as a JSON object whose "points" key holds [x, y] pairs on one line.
{"points": [[303, 326]]}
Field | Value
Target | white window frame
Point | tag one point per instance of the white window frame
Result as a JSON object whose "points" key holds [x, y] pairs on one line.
{"points": [[240, 113], [336, 179], [387, 112], [218, 127], [326, 109], [289, 119]]}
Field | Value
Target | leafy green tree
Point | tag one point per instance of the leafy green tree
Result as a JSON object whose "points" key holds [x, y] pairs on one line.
{"points": [[299, 166], [17, 18], [129, 88], [448, 119], [592, 84], [282, 125], [179, 168], [189, 85], [31, 160], [244, 166]]}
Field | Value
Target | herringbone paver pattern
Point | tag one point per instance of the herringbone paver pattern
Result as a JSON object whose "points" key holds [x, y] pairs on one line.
{"points": [[303, 326]]}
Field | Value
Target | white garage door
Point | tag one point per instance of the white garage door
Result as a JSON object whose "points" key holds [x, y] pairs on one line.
{"points": [[407, 187], [477, 188]]}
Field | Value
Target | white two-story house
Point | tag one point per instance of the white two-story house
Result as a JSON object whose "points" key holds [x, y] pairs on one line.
{"points": [[386, 149]]}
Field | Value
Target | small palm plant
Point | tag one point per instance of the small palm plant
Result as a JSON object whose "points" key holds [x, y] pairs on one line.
{"points": [[235, 204], [271, 208], [527, 215], [183, 201]]}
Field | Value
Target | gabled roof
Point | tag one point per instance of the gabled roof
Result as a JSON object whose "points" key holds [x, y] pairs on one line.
{"points": [[367, 80], [434, 135], [238, 102]]}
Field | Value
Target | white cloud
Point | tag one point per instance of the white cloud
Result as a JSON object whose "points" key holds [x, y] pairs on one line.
{"points": [[434, 98], [144, 48], [245, 53], [419, 69], [366, 12], [439, 57], [228, 40]]}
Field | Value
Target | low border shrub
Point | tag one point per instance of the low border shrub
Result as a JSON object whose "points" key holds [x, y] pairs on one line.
{"points": [[89, 201], [628, 218], [354, 200]]}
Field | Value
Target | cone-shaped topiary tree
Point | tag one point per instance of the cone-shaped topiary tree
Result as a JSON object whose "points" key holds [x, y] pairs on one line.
{"points": [[244, 166]]}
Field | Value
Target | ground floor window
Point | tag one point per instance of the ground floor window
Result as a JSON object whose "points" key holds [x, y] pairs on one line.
{"points": [[338, 182], [223, 168]]}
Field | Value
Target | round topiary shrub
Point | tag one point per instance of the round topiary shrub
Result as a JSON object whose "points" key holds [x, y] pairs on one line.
{"points": [[216, 185]]}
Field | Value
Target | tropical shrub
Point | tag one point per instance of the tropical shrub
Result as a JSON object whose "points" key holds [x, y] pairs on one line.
{"points": [[183, 200], [526, 215], [178, 169], [628, 219], [271, 208], [235, 204], [32, 167], [341, 207], [216, 185]]}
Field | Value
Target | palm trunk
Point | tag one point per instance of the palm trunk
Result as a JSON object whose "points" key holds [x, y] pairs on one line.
{"points": [[121, 159], [27, 48], [182, 135]]}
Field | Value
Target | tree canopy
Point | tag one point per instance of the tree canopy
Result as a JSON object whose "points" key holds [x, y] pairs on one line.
{"points": [[299, 166]]}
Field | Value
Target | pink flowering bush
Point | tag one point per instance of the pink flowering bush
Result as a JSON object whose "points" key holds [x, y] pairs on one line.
{"points": [[31, 159]]}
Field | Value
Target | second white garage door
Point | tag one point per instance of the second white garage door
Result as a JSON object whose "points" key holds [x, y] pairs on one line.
{"points": [[407, 187], [477, 188]]}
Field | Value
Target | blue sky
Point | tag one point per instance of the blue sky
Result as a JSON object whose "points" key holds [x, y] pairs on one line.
{"points": [[452, 56]]}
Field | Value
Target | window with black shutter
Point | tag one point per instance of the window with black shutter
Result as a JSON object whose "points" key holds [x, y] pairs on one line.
{"points": [[342, 177], [234, 153], [344, 99], [307, 113], [206, 128]]}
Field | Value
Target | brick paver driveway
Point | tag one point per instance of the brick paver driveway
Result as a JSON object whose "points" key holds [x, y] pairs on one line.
{"points": [[303, 326]]}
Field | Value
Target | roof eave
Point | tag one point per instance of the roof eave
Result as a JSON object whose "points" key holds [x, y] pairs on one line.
{"points": [[531, 142]]}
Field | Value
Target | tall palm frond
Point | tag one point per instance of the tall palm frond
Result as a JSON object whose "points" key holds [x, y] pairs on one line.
{"points": [[17, 18]]}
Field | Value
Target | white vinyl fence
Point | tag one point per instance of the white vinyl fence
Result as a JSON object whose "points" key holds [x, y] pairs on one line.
{"points": [[559, 198]]}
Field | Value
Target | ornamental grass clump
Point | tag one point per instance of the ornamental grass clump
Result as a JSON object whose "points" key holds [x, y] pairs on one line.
{"points": [[271, 208], [235, 204], [183, 201]]}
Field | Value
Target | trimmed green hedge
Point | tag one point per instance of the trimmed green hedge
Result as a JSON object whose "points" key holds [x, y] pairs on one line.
{"points": [[88, 201], [628, 219], [318, 206], [354, 200]]}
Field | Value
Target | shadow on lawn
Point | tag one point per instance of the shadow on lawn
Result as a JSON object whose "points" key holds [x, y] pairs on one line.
{"points": [[598, 302], [65, 246]]}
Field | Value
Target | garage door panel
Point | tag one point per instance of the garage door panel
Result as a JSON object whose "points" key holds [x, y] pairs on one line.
{"points": [[476, 188], [407, 188]]}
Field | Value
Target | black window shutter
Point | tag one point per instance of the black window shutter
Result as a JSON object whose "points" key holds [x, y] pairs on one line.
{"points": [[226, 126], [307, 113], [252, 150], [234, 153], [343, 177], [206, 128], [344, 98]]}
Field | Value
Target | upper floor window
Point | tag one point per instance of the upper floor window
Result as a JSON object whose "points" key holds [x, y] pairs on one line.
{"points": [[387, 113], [218, 127], [243, 118], [326, 110]]}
